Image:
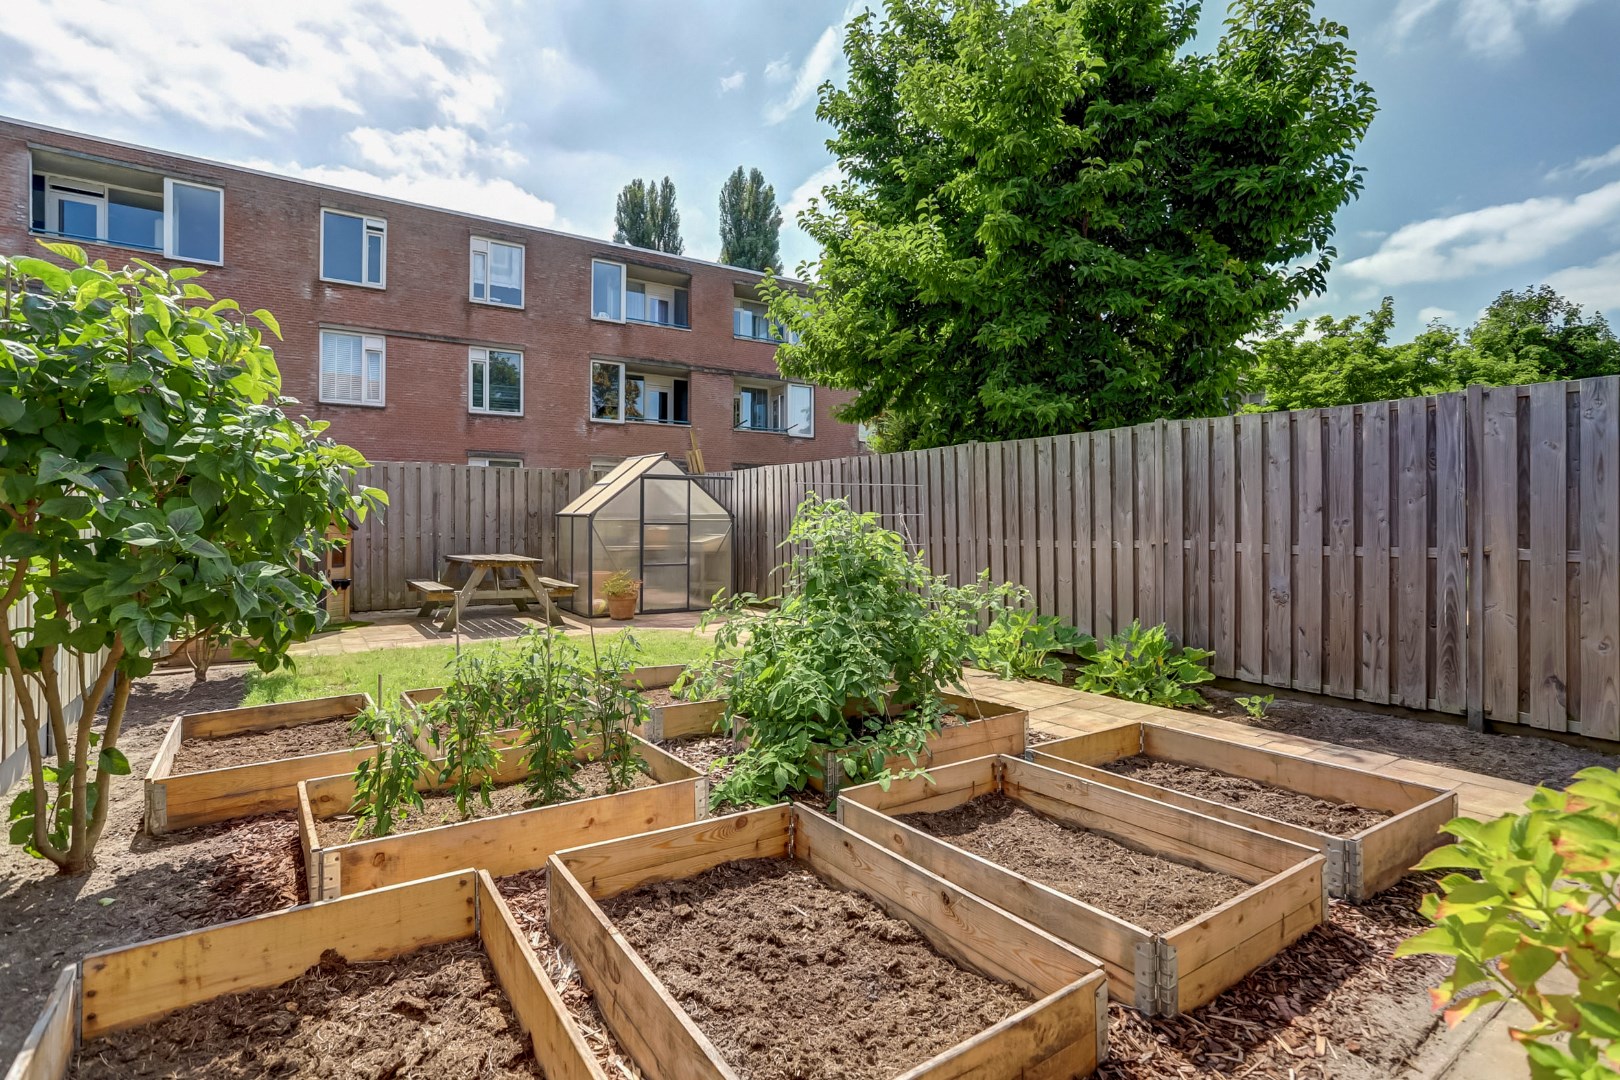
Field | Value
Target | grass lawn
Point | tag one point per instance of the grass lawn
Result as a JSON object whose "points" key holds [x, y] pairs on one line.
{"points": [[428, 665]]}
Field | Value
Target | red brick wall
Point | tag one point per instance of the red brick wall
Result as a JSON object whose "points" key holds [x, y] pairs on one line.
{"points": [[272, 260]]}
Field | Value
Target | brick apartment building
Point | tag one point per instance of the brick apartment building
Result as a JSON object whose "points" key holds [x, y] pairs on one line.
{"points": [[430, 335]]}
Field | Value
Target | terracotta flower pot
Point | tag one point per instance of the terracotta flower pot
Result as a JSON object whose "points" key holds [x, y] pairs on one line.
{"points": [[622, 608]]}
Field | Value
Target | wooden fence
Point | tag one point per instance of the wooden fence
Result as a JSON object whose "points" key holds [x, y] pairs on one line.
{"points": [[1328, 550], [438, 510]]}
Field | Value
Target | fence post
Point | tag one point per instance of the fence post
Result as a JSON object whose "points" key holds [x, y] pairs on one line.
{"points": [[1474, 663]]}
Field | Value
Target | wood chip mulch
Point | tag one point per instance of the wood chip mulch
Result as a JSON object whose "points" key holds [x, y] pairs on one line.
{"points": [[1335, 1004], [262, 871]]}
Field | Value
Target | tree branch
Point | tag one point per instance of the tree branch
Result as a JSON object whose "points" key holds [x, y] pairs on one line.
{"points": [[30, 719], [115, 723]]}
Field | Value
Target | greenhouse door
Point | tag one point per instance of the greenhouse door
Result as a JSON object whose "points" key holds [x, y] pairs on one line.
{"points": [[666, 561]]}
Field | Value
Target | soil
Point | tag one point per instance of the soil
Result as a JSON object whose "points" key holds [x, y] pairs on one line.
{"points": [[439, 807], [794, 979], [437, 1012], [661, 696], [1334, 1004], [319, 737], [1527, 759], [1306, 811], [525, 895], [1149, 890], [140, 887]]}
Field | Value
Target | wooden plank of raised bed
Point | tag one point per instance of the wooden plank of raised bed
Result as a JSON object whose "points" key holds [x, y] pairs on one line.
{"points": [[238, 791], [1388, 850], [280, 714], [558, 1045], [47, 1052], [130, 986], [615, 866]]}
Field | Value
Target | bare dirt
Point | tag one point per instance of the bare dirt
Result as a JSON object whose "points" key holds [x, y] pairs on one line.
{"points": [[319, 737], [1335, 1004], [1306, 811], [439, 807], [525, 895], [1154, 892], [151, 887], [438, 1012], [1527, 759], [663, 695], [793, 979]]}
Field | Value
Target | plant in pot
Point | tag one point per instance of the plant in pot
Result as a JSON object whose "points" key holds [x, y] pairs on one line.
{"points": [[622, 591]]}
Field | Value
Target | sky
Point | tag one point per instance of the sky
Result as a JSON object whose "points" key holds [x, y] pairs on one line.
{"points": [[1494, 162]]}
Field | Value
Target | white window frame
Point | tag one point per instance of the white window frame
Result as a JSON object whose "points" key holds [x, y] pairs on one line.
{"points": [[367, 223], [476, 356], [624, 302], [368, 343], [171, 219], [483, 245], [76, 191], [787, 399], [488, 461], [590, 381]]}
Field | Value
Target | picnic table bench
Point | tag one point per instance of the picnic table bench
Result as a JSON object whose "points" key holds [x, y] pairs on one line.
{"points": [[528, 588]]}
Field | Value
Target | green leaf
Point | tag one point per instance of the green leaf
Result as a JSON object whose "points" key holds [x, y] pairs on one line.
{"points": [[113, 761], [269, 321]]}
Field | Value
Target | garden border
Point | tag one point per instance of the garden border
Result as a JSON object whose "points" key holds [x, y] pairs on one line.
{"points": [[185, 800], [1160, 973], [993, 727], [501, 843], [134, 985], [1359, 866], [1062, 1033]]}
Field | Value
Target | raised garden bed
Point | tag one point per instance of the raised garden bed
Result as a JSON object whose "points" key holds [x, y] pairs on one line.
{"points": [[1176, 966], [199, 1004], [234, 763], [1057, 1029], [502, 843], [1366, 852], [978, 728]]}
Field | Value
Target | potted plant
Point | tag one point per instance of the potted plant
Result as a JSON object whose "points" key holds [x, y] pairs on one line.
{"points": [[622, 592]]}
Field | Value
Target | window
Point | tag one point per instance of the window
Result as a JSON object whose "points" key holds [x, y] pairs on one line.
{"points": [[601, 466], [652, 302], [655, 399], [496, 462], [607, 290], [784, 408], [497, 272], [495, 382], [130, 208], [352, 368], [607, 391], [353, 248], [748, 320]]}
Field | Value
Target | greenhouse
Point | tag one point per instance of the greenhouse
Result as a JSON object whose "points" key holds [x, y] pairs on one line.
{"points": [[654, 522]]}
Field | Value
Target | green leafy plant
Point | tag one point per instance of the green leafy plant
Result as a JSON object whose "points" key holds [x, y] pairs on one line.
{"points": [[550, 683], [617, 710], [1021, 643], [463, 722], [620, 583], [150, 482], [1256, 705], [385, 784], [704, 680], [1143, 664], [851, 659], [1537, 891]]}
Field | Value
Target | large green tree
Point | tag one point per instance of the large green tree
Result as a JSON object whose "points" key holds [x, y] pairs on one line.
{"points": [[1537, 335], [646, 217], [1056, 216], [151, 487], [750, 223]]}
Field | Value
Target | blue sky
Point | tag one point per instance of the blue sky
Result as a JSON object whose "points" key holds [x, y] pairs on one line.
{"points": [[1494, 162]]}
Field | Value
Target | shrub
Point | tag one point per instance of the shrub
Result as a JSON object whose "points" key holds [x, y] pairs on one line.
{"points": [[1537, 890], [385, 783], [150, 481], [1144, 665], [861, 622], [1020, 643]]}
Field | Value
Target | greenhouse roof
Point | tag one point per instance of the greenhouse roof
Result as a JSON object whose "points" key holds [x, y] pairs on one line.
{"points": [[624, 474]]}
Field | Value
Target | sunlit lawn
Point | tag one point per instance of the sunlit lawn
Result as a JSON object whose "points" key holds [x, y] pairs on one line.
{"points": [[410, 668]]}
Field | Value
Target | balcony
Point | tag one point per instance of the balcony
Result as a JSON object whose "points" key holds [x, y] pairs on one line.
{"points": [[625, 293]]}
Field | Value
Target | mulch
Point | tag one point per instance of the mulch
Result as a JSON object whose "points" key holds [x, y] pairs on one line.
{"points": [[318, 737], [1306, 811]]}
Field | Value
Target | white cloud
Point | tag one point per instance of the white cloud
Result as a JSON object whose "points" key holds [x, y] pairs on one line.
{"points": [[1446, 248], [734, 81], [818, 64], [779, 70], [431, 150], [1588, 165], [1596, 286], [1488, 27], [1430, 314], [811, 188], [224, 68]]}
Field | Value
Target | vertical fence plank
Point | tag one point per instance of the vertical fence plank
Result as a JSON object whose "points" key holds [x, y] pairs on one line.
{"points": [[1500, 491], [1124, 465], [1046, 526], [1196, 437], [1085, 547], [1173, 555], [1600, 557], [1341, 618], [1066, 553], [1279, 558], [1373, 581], [1412, 565], [1450, 538], [1105, 554], [1149, 527], [1223, 508], [1308, 623], [1549, 557], [1251, 658]]}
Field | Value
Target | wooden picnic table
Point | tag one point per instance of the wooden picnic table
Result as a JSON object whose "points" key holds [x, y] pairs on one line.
{"points": [[528, 588]]}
